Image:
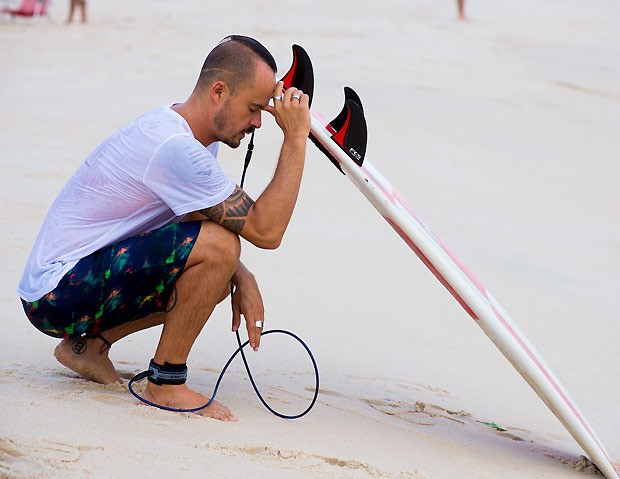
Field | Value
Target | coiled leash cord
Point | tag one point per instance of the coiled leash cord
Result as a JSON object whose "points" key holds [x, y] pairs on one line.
{"points": [[146, 374], [178, 376]]}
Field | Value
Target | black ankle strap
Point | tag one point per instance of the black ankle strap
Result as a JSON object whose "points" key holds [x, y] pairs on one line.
{"points": [[167, 374]]}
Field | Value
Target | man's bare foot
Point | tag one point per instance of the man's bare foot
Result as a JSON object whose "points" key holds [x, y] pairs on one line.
{"points": [[88, 358], [182, 397]]}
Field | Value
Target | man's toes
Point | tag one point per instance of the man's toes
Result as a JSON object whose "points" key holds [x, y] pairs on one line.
{"points": [[220, 412]]}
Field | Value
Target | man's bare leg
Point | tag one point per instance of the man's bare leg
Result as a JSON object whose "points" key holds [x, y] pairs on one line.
{"points": [[88, 356], [208, 273]]}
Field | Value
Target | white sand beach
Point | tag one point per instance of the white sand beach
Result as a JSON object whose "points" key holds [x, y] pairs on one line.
{"points": [[502, 133]]}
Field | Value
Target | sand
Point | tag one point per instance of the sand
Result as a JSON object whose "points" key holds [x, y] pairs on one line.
{"points": [[502, 134]]}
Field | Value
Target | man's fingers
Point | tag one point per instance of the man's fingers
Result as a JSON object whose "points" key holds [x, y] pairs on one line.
{"points": [[255, 329], [236, 320], [293, 96], [236, 314], [281, 97], [278, 93]]}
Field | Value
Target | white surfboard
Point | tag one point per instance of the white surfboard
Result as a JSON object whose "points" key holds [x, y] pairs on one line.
{"points": [[343, 140], [469, 292]]}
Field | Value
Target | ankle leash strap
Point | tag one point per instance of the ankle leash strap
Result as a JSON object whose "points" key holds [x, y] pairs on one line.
{"points": [[167, 374]]}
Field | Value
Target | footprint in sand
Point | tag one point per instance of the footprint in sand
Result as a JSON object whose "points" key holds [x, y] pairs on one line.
{"points": [[36, 458], [418, 413], [323, 466]]}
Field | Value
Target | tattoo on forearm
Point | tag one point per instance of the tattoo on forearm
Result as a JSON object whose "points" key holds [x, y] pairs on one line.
{"points": [[232, 212]]}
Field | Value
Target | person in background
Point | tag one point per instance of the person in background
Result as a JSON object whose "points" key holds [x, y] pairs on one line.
{"points": [[81, 4], [461, 9]]}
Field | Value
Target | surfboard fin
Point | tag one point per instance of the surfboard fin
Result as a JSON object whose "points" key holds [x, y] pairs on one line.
{"points": [[349, 94], [300, 74], [348, 130]]}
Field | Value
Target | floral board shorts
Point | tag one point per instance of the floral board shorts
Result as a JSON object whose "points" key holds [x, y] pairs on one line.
{"points": [[123, 282]]}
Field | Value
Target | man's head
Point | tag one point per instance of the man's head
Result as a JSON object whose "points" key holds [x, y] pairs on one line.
{"points": [[238, 77], [234, 60]]}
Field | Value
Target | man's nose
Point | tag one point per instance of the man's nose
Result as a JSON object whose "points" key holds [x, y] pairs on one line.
{"points": [[256, 121]]}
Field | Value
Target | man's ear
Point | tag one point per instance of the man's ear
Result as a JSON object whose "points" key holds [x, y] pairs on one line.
{"points": [[219, 90]]}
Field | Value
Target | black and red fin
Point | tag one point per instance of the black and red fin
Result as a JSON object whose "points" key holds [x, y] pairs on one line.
{"points": [[352, 136], [349, 94], [301, 73], [348, 130]]}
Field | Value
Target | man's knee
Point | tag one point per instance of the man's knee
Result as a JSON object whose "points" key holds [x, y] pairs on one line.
{"points": [[217, 245]]}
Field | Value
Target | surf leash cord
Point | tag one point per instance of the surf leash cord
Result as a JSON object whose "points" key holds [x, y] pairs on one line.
{"points": [[157, 370]]}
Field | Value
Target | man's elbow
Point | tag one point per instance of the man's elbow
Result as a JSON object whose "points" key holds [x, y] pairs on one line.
{"points": [[268, 242], [264, 239]]}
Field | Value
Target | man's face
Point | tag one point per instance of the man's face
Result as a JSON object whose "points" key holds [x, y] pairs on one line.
{"points": [[241, 113]]}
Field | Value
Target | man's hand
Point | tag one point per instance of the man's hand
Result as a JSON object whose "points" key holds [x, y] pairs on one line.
{"points": [[291, 109], [264, 221], [247, 301]]}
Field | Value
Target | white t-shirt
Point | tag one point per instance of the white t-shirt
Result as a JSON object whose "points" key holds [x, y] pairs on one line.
{"points": [[145, 176]]}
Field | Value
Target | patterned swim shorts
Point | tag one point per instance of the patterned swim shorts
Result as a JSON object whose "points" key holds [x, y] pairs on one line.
{"points": [[123, 282]]}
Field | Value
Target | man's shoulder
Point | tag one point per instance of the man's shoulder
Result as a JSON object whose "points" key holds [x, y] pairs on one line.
{"points": [[162, 118]]}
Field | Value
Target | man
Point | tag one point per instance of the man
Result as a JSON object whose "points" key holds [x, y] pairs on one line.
{"points": [[146, 232]]}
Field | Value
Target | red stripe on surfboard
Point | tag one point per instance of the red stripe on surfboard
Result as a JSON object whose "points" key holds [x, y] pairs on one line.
{"points": [[431, 267], [403, 202], [395, 198], [550, 378], [502, 320]]}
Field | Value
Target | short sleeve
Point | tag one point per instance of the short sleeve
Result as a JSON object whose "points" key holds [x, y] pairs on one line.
{"points": [[187, 176]]}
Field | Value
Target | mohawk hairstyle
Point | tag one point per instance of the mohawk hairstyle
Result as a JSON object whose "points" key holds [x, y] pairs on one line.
{"points": [[234, 60]]}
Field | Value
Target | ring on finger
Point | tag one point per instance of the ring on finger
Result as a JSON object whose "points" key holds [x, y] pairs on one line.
{"points": [[296, 96], [277, 98], [259, 324]]}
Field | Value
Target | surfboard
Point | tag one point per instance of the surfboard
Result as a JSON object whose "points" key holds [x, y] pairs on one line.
{"points": [[343, 141]]}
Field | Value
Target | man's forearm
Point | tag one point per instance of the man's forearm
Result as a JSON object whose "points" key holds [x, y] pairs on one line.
{"points": [[269, 216]]}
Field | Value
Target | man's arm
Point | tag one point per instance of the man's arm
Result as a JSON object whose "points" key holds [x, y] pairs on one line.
{"points": [[231, 213], [264, 222], [247, 302]]}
